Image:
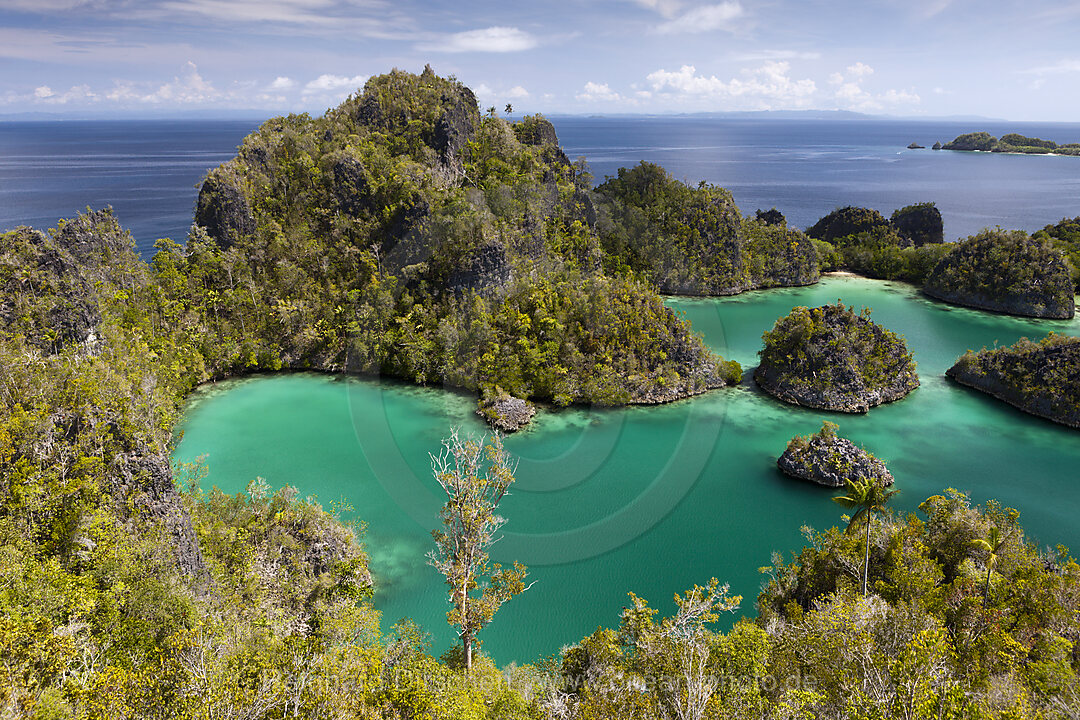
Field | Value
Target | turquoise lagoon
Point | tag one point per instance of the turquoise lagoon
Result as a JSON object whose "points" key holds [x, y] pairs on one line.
{"points": [[642, 499]]}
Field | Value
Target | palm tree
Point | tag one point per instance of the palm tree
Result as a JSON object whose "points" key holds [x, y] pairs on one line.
{"points": [[991, 544], [869, 497]]}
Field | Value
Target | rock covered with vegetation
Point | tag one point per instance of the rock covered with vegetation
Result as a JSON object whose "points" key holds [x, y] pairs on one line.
{"points": [[1065, 236], [694, 241], [1041, 378], [846, 221], [883, 254], [830, 460], [833, 358], [981, 141], [1006, 272], [406, 234], [506, 413], [920, 224]]}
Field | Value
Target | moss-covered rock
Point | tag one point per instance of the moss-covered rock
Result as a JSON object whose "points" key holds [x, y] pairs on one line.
{"points": [[830, 460], [1006, 272], [835, 359], [43, 295], [920, 224], [223, 209], [844, 221], [694, 241], [1041, 378]]}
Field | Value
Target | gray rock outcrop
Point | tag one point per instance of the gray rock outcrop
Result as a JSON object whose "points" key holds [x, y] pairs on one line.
{"points": [[223, 210], [830, 460]]}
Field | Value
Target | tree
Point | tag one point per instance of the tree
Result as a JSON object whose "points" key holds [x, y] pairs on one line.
{"points": [[869, 497], [991, 544], [509, 109], [475, 476]]}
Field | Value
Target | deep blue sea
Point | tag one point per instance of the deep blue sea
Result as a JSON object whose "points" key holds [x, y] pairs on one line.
{"points": [[149, 170]]}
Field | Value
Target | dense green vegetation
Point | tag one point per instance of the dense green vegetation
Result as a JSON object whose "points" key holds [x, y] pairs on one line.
{"points": [[693, 241], [919, 223], [905, 247], [1065, 236], [403, 233], [846, 221], [833, 358], [1007, 272], [931, 639], [1042, 378], [1012, 143]]}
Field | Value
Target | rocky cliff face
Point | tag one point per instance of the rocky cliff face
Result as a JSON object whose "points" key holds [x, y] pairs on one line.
{"points": [[832, 359], [44, 295], [1041, 378], [487, 269], [223, 209], [830, 460], [55, 290], [143, 479], [1006, 272]]}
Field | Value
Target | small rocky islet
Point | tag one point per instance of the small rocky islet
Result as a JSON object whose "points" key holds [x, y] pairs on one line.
{"points": [[833, 358], [827, 459]]}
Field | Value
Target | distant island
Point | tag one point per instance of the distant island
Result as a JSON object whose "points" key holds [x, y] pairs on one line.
{"points": [[1009, 143]]}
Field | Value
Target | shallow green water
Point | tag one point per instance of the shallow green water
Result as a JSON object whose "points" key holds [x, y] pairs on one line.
{"points": [[644, 499]]}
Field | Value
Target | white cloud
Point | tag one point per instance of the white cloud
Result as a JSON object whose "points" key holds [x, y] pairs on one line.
{"points": [[667, 8], [295, 12], [704, 19], [282, 83], [766, 87], [598, 92], [334, 84], [859, 70], [1062, 67], [517, 92], [76, 94], [851, 95], [492, 39], [900, 97], [188, 88]]}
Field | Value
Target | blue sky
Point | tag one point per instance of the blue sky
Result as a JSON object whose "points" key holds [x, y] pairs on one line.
{"points": [[997, 58]]}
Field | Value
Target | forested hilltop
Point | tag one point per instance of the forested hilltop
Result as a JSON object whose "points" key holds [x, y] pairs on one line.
{"points": [[405, 233]]}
